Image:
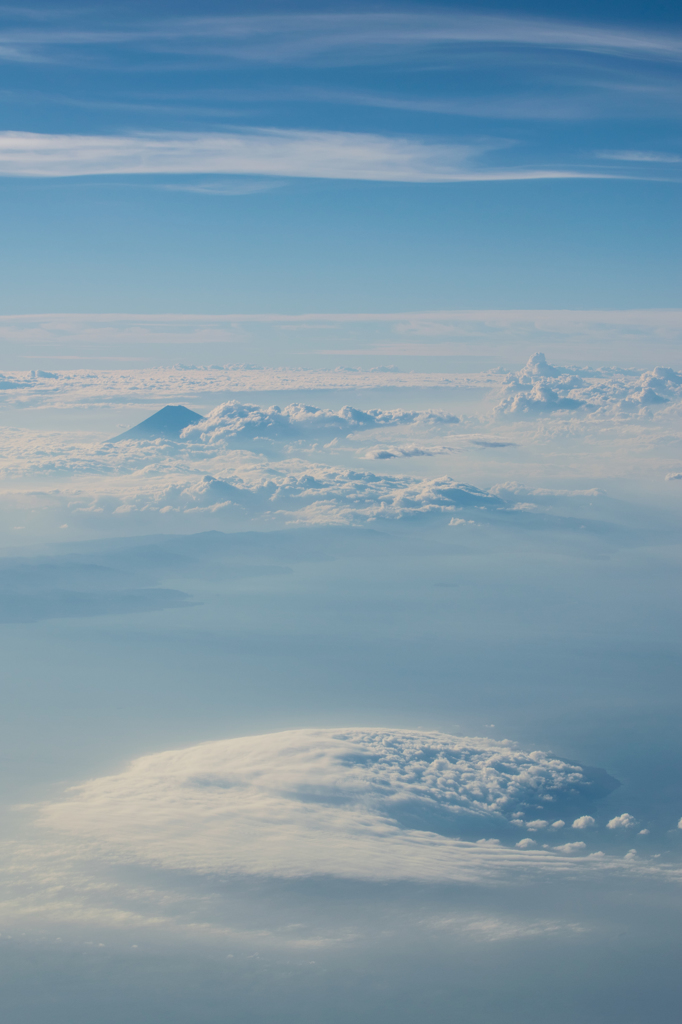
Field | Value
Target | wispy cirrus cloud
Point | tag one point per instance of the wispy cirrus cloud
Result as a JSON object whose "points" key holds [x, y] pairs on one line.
{"points": [[338, 38], [641, 156], [522, 106], [260, 151], [227, 187]]}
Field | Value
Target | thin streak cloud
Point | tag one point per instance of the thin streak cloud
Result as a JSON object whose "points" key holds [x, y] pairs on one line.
{"points": [[640, 156], [258, 151], [340, 38], [298, 35]]}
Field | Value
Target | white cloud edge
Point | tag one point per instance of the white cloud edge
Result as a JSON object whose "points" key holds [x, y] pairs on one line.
{"points": [[278, 152], [243, 806], [640, 156], [281, 38], [570, 319]]}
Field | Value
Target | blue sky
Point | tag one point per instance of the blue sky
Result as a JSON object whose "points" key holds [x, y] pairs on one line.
{"points": [[376, 165]]}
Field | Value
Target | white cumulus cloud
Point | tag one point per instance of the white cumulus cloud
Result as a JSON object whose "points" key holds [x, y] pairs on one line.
{"points": [[622, 821], [540, 389], [234, 418]]}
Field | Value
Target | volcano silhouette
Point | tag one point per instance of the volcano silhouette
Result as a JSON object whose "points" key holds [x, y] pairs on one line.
{"points": [[167, 422]]}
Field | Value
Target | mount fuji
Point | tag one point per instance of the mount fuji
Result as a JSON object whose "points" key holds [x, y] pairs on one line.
{"points": [[167, 422]]}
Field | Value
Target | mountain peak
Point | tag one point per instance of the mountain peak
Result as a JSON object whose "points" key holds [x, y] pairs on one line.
{"points": [[167, 422]]}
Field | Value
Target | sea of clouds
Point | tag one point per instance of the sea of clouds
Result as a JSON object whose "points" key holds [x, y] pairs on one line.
{"points": [[302, 463], [537, 389]]}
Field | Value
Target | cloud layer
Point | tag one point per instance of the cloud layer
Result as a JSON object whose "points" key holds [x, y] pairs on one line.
{"points": [[334, 38], [624, 337], [236, 420], [262, 151], [277, 152], [356, 803], [300, 463]]}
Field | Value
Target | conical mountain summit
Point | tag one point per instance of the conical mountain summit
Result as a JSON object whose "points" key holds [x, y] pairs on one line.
{"points": [[167, 422]]}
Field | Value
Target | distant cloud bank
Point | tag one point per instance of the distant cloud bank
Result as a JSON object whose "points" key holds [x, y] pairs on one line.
{"points": [[298, 463], [234, 419]]}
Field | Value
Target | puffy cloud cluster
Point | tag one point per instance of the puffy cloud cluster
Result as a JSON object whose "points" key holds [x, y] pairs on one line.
{"points": [[622, 821], [361, 803], [540, 389], [571, 847], [309, 493], [538, 392], [537, 366], [289, 493], [247, 461], [205, 472], [234, 418], [540, 399], [28, 453]]}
